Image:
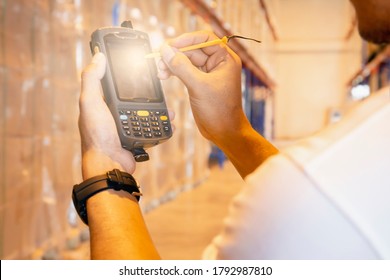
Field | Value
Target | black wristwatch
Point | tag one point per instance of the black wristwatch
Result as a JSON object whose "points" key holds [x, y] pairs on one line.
{"points": [[115, 179]]}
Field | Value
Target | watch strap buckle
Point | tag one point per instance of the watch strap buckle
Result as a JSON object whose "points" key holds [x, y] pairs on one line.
{"points": [[137, 194], [116, 177]]}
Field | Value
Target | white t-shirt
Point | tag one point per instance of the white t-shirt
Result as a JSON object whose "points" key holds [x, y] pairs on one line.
{"points": [[327, 197]]}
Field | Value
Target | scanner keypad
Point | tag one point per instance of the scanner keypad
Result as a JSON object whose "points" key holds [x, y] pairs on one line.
{"points": [[145, 123]]}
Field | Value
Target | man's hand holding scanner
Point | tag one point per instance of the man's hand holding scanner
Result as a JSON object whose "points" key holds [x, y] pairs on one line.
{"points": [[212, 76], [100, 144]]}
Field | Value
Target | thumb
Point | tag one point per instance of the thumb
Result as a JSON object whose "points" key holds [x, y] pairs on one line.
{"points": [[92, 74], [179, 65]]}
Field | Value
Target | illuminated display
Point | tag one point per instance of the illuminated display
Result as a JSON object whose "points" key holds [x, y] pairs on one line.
{"points": [[130, 70]]}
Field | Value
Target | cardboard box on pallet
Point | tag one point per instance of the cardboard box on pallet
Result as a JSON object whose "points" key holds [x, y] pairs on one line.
{"points": [[18, 103], [3, 77], [18, 191], [41, 41], [43, 112], [18, 169]]}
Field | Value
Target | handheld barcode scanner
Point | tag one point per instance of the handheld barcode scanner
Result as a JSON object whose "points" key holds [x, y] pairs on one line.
{"points": [[132, 89]]}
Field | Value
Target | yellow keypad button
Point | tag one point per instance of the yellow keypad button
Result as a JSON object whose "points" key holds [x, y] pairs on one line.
{"points": [[163, 118], [143, 113]]}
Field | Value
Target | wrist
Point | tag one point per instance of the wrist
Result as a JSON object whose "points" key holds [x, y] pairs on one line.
{"points": [[246, 148], [95, 162], [232, 133]]}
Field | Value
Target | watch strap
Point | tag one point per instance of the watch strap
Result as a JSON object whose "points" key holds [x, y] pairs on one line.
{"points": [[115, 179]]}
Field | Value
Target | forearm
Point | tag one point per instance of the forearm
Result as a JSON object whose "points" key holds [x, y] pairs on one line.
{"points": [[246, 148], [117, 227], [115, 220]]}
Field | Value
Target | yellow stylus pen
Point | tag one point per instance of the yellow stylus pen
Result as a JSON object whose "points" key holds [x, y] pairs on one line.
{"points": [[223, 40]]}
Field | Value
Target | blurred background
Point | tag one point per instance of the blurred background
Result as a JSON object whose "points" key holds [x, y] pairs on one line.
{"points": [[310, 68]]}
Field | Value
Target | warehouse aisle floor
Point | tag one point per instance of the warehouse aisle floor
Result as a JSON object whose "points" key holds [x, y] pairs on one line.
{"points": [[183, 227]]}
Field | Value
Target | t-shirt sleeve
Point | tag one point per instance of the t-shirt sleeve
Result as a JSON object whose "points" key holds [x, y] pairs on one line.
{"points": [[281, 214]]}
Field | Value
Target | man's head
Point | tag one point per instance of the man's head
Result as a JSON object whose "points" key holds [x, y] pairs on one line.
{"points": [[373, 19]]}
